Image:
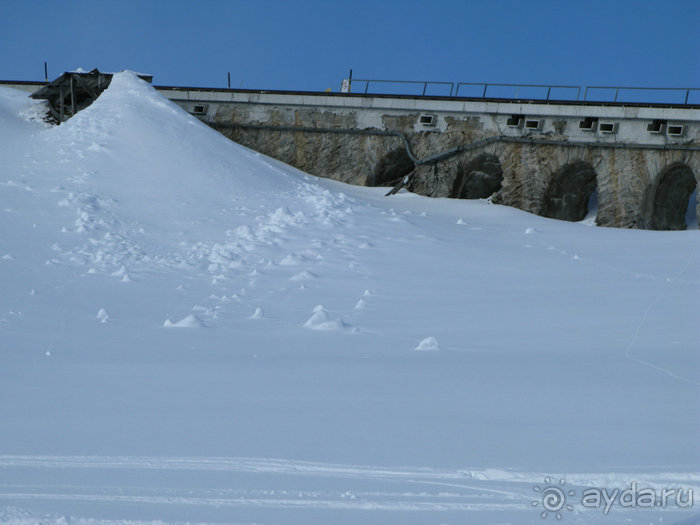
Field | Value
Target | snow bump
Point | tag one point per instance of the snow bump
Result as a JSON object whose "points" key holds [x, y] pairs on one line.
{"points": [[190, 321]]}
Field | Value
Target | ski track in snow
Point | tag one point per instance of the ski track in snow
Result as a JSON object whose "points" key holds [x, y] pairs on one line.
{"points": [[399, 489], [652, 304]]}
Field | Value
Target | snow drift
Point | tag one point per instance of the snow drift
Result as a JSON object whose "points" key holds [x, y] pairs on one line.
{"points": [[135, 384]]}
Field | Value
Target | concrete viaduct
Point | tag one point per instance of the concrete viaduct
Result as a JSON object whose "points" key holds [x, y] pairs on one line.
{"points": [[640, 162]]}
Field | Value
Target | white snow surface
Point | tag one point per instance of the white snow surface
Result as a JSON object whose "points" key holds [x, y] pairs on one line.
{"points": [[565, 350]]}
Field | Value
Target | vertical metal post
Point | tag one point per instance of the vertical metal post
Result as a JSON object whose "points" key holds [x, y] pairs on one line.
{"points": [[46, 72], [452, 87], [617, 90], [350, 82], [484, 93], [228, 75], [425, 86], [687, 92], [72, 96], [549, 90], [366, 86]]}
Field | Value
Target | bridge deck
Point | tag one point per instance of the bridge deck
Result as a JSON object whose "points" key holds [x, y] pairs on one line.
{"points": [[34, 85]]}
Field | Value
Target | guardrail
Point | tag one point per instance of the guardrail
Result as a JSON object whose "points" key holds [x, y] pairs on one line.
{"points": [[526, 91], [518, 87], [424, 83], [618, 89]]}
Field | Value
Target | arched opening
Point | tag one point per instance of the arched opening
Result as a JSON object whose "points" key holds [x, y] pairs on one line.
{"points": [[670, 205], [571, 192], [478, 179], [692, 221], [391, 168]]}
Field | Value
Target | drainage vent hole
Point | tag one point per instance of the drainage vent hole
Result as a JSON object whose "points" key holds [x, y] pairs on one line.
{"points": [[515, 121], [656, 126], [588, 124]]}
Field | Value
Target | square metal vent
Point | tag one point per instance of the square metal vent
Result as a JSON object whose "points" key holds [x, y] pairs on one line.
{"points": [[675, 130], [515, 121], [588, 124], [534, 124], [200, 109], [427, 119], [657, 126], [607, 127]]}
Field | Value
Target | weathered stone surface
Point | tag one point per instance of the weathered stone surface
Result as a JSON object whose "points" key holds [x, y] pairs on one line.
{"points": [[477, 179], [637, 188], [391, 168], [567, 196]]}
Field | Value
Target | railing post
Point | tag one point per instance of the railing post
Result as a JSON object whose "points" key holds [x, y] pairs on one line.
{"points": [[617, 90], [452, 87], [484, 93], [687, 92], [549, 90], [366, 86], [425, 86]]}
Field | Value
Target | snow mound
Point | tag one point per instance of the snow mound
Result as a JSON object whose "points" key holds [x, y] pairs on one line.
{"points": [[190, 321], [137, 172], [303, 276], [320, 320], [258, 314], [102, 315], [429, 344]]}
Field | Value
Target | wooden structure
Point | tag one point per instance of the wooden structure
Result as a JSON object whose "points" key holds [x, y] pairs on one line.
{"points": [[74, 91]]}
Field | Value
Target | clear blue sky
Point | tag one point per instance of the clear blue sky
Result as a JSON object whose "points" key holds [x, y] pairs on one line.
{"points": [[312, 44]]}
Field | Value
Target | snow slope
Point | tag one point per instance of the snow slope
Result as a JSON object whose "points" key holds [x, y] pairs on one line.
{"points": [[191, 331]]}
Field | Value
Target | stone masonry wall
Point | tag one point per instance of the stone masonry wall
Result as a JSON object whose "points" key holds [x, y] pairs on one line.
{"points": [[625, 177]]}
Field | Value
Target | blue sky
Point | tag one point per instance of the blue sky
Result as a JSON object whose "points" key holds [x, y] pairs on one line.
{"points": [[311, 45]]}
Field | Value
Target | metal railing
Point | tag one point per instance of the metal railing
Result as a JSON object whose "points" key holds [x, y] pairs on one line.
{"points": [[515, 91], [617, 89], [424, 83], [517, 87]]}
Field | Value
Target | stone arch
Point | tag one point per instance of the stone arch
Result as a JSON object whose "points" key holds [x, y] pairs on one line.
{"points": [[569, 192], [479, 178], [668, 199], [391, 168]]}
